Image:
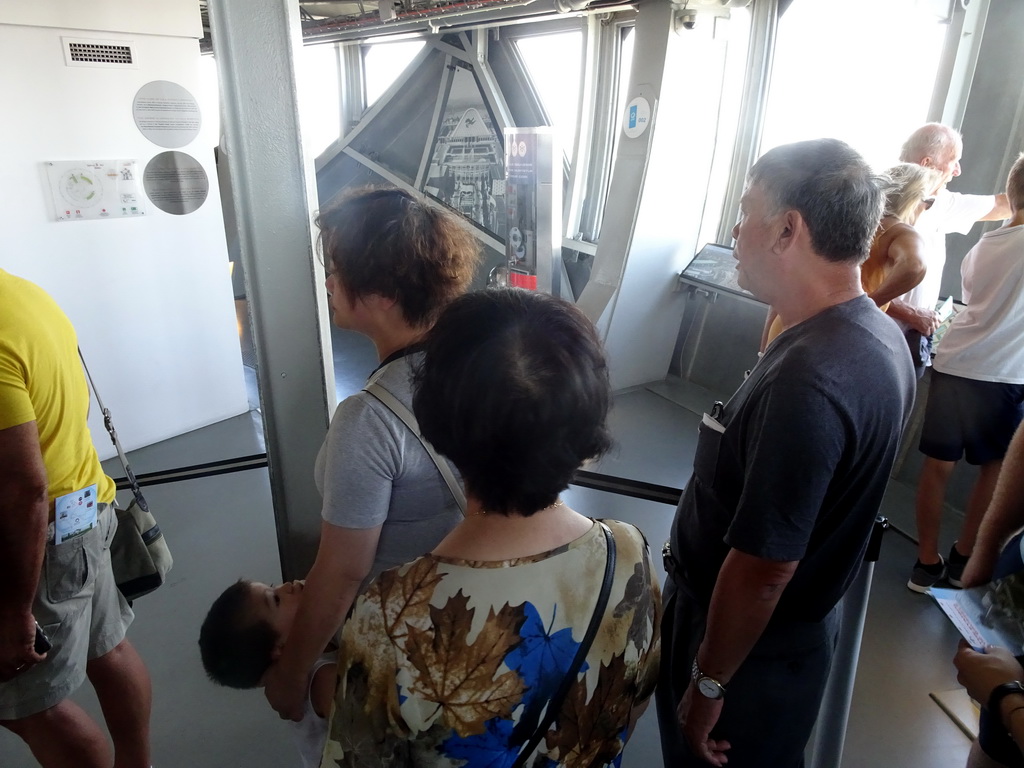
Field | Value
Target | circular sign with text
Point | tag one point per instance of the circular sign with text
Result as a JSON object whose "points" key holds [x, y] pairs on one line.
{"points": [[176, 183], [166, 114], [637, 117]]}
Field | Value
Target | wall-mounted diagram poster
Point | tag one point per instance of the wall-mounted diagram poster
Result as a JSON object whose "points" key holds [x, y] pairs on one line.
{"points": [[94, 189]]}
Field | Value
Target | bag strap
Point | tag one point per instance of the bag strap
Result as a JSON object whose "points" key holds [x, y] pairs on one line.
{"points": [[398, 408], [558, 698], [109, 424]]}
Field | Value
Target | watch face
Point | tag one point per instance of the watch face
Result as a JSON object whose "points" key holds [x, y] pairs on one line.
{"points": [[709, 688]]}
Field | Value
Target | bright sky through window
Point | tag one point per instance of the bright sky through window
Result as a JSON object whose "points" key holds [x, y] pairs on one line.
{"points": [[383, 63], [861, 72], [555, 65]]}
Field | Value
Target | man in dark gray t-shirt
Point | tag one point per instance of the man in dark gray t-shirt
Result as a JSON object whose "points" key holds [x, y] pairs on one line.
{"points": [[788, 475]]}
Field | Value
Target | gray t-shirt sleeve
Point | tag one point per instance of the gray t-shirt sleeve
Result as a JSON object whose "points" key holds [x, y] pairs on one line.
{"points": [[357, 465]]}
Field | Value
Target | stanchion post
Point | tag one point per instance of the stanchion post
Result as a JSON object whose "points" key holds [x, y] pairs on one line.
{"points": [[830, 730]]}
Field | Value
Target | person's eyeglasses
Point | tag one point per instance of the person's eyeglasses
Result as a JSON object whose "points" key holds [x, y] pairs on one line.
{"points": [[928, 202]]}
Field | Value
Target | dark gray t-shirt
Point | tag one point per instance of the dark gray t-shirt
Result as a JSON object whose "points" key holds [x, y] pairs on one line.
{"points": [[371, 470], [796, 465]]}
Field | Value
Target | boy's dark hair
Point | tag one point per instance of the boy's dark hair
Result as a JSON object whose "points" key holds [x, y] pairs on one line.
{"points": [[236, 648], [514, 390]]}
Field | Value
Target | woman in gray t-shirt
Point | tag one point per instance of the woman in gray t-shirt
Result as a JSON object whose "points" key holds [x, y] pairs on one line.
{"points": [[393, 263]]}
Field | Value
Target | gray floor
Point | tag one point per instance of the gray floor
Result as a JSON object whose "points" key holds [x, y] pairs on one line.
{"points": [[222, 528]]}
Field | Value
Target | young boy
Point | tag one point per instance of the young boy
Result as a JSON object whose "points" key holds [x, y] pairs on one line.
{"points": [[976, 397], [242, 636]]}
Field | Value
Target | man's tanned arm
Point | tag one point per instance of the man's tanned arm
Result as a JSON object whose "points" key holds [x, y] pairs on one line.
{"points": [[24, 509]]}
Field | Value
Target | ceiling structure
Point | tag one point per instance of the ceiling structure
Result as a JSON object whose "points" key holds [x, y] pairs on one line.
{"points": [[331, 21]]}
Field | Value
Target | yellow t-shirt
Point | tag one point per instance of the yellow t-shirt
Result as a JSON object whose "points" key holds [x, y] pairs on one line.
{"points": [[41, 380]]}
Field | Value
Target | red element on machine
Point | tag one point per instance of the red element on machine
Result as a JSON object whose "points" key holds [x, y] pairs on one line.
{"points": [[519, 280]]}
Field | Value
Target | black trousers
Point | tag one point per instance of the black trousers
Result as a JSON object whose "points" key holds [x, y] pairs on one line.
{"points": [[771, 703]]}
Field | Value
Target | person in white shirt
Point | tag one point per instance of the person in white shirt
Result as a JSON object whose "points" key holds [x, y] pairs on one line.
{"points": [[976, 398], [938, 146]]}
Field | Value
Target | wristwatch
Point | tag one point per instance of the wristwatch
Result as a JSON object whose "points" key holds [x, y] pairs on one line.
{"points": [[708, 687], [999, 693]]}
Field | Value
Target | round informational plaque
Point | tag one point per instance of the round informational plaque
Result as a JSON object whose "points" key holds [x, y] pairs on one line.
{"points": [[166, 114], [637, 117], [175, 183]]}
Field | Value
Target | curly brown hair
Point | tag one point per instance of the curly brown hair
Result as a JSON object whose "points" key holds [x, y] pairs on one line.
{"points": [[385, 241]]}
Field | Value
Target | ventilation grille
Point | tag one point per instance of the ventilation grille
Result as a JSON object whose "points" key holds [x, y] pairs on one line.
{"points": [[98, 53]]}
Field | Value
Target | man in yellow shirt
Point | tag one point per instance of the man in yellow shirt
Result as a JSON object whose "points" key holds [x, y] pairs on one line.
{"points": [[56, 524]]}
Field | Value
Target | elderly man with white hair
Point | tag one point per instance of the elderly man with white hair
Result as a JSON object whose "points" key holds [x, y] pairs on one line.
{"points": [[938, 146]]}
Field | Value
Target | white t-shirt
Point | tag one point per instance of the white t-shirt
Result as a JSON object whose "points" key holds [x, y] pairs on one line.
{"points": [[951, 212], [985, 341], [311, 731]]}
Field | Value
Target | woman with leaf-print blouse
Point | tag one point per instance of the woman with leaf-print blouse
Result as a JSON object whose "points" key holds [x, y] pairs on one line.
{"points": [[451, 660]]}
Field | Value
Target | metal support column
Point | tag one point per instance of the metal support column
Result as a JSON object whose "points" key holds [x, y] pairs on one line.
{"points": [[352, 79], [830, 730], [254, 43], [764, 24], [653, 26]]}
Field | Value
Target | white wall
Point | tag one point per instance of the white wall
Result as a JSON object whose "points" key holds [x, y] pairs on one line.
{"points": [[150, 297]]}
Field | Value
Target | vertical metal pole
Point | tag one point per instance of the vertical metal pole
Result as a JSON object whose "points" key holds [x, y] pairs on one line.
{"points": [[351, 79], [764, 23], [254, 43], [586, 112], [653, 27], [830, 730]]}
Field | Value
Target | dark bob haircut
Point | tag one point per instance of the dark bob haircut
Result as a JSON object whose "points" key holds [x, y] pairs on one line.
{"points": [[390, 243], [838, 195], [514, 389], [236, 648]]}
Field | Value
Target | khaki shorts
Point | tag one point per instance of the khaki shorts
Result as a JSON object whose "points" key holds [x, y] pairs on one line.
{"points": [[82, 612]]}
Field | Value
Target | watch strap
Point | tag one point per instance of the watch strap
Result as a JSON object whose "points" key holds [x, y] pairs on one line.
{"points": [[999, 693]]}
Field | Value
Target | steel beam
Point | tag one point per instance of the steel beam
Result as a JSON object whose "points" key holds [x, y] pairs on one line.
{"points": [[272, 184]]}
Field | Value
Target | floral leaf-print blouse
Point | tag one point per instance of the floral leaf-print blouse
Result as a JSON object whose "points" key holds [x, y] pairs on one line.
{"points": [[448, 662]]}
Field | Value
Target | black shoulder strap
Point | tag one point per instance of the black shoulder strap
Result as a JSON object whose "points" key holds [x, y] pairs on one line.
{"points": [[393, 404], [558, 698], [109, 424]]}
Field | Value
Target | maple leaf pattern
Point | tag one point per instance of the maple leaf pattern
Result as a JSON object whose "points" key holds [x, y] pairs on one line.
{"points": [[638, 602], [588, 731], [541, 659], [359, 730], [463, 678], [404, 596], [489, 749], [450, 663]]}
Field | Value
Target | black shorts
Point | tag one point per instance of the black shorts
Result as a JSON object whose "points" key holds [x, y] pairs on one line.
{"points": [[966, 417]]}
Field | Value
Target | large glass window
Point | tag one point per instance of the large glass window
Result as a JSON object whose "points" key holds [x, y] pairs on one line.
{"points": [[737, 29], [317, 86], [555, 64], [383, 63], [622, 86], [861, 72], [318, 95]]}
